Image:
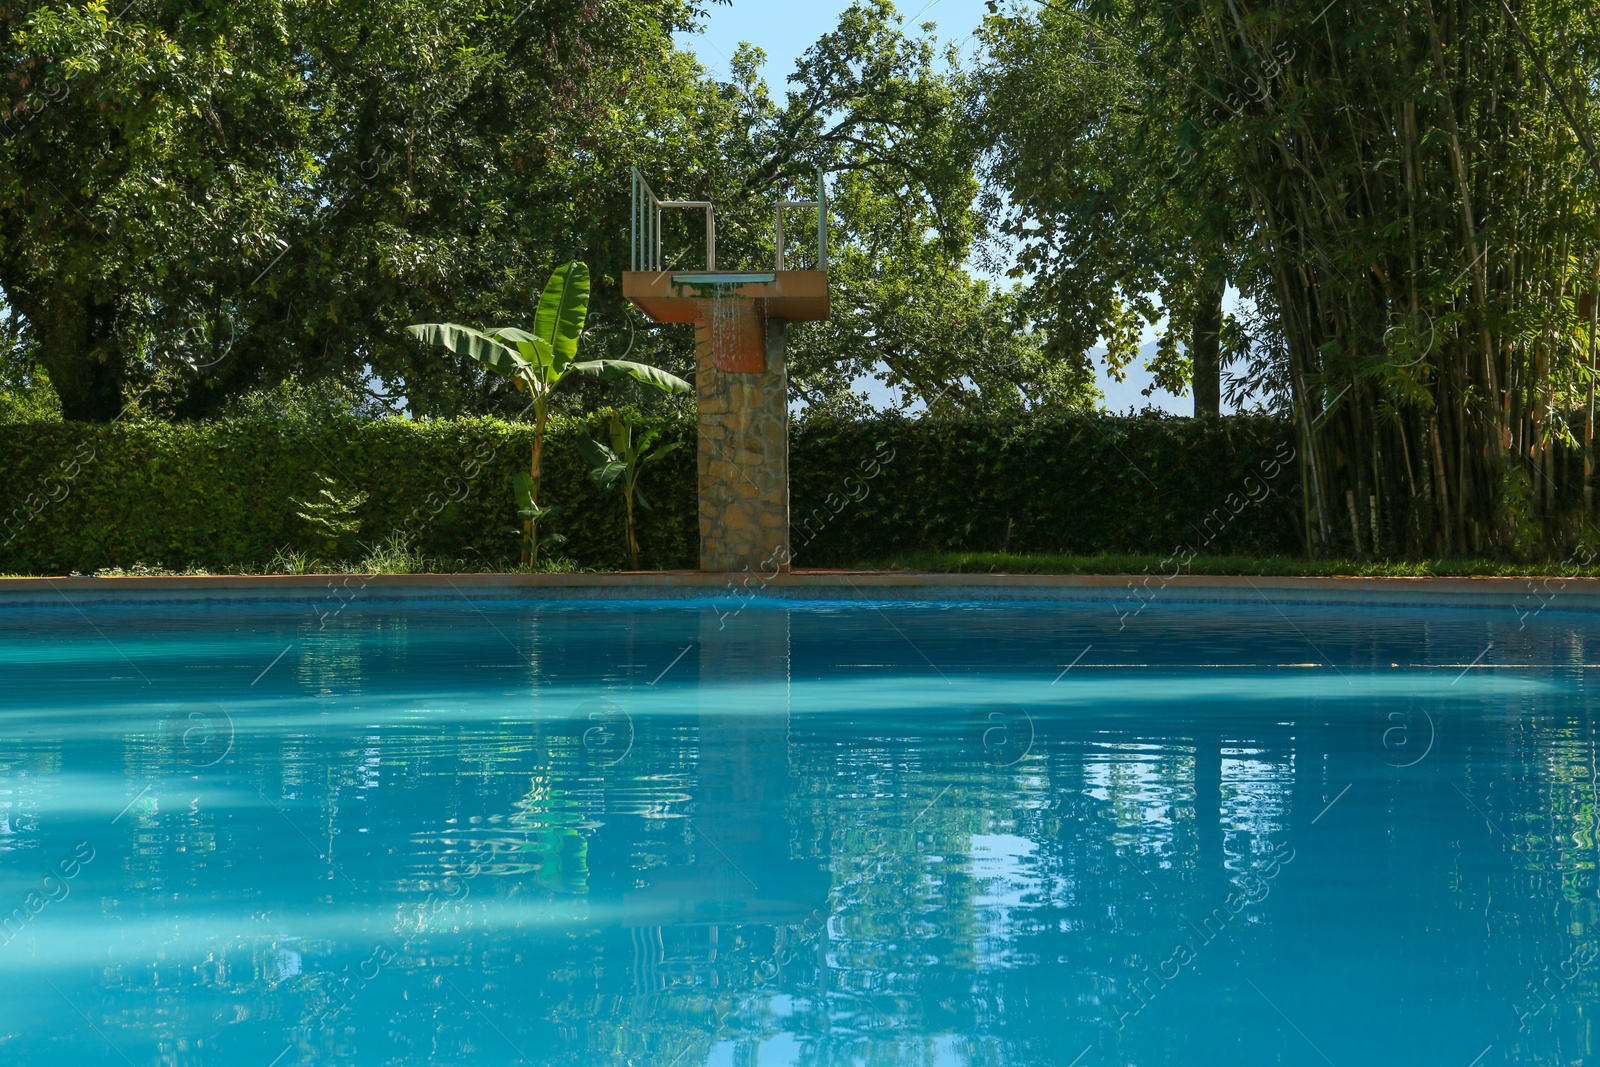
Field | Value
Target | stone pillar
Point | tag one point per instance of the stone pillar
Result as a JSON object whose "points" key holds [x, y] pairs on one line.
{"points": [[744, 443]]}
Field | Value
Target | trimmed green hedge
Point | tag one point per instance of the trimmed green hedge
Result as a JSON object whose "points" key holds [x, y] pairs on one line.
{"points": [[1083, 485], [220, 495]]}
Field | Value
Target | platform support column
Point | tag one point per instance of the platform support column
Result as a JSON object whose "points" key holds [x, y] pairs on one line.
{"points": [[743, 457]]}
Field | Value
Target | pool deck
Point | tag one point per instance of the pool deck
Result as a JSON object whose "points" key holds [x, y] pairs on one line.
{"points": [[1521, 594]]}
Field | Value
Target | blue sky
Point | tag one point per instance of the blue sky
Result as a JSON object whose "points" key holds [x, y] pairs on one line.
{"points": [[784, 29]]}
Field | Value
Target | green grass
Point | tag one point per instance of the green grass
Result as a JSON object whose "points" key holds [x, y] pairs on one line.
{"points": [[395, 557], [1263, 566], [298, 563]]}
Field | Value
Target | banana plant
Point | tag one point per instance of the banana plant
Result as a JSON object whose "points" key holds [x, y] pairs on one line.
{"points": [[531, 514], [537, 362], [621, 464]]}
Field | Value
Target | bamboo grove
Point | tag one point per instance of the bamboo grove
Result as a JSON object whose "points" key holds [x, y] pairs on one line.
{"points": [[1429, 219], [1404, 195]]}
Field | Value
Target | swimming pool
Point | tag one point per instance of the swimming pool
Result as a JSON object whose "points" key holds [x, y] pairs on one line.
{"points": [[667, 834]]}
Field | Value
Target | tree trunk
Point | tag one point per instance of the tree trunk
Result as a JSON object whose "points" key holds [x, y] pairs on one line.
{"points": [[1589, 306], [78, 349], [541, 412], [1205, 350]]}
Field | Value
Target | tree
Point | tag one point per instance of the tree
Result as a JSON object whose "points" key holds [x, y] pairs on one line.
{"points": [[142, 172], [936, 335], [1404, 195], [868, 105], [269, 192], [1426, 215], [471, 149], [246, 193], [1120, 217]]}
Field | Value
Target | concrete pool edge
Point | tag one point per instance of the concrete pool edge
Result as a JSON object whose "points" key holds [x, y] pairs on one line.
{"points": [[1529, 594]]}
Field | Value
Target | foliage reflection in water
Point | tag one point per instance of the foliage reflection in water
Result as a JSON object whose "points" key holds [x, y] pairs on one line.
{"points": [[629, 834]]}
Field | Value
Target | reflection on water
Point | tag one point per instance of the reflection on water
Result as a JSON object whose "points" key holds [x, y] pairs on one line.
{"points": [[657, 834]]}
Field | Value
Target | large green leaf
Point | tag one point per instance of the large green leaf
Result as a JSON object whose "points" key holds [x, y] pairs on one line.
{"points": [[595, 453], [562, 311], [522, 489], [465, 341], [621, 435], [537, 351], [604, 465], [647, 437], [643, 372], [651, 457], [509, 333]]}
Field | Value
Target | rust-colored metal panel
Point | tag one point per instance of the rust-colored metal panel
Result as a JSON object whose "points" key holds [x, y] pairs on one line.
{"points": [[686, 296], [732, 307]]}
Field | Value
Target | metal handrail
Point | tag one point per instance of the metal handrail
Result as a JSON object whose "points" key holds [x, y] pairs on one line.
{"points": [[646, 244], [821, 204], [711, 229]]}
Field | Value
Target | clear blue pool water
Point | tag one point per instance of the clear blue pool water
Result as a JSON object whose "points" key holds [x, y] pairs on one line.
{"points": [[665, 835]]}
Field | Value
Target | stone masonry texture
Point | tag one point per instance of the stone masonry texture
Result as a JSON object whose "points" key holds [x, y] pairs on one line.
{"points": [[743, 457]]}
